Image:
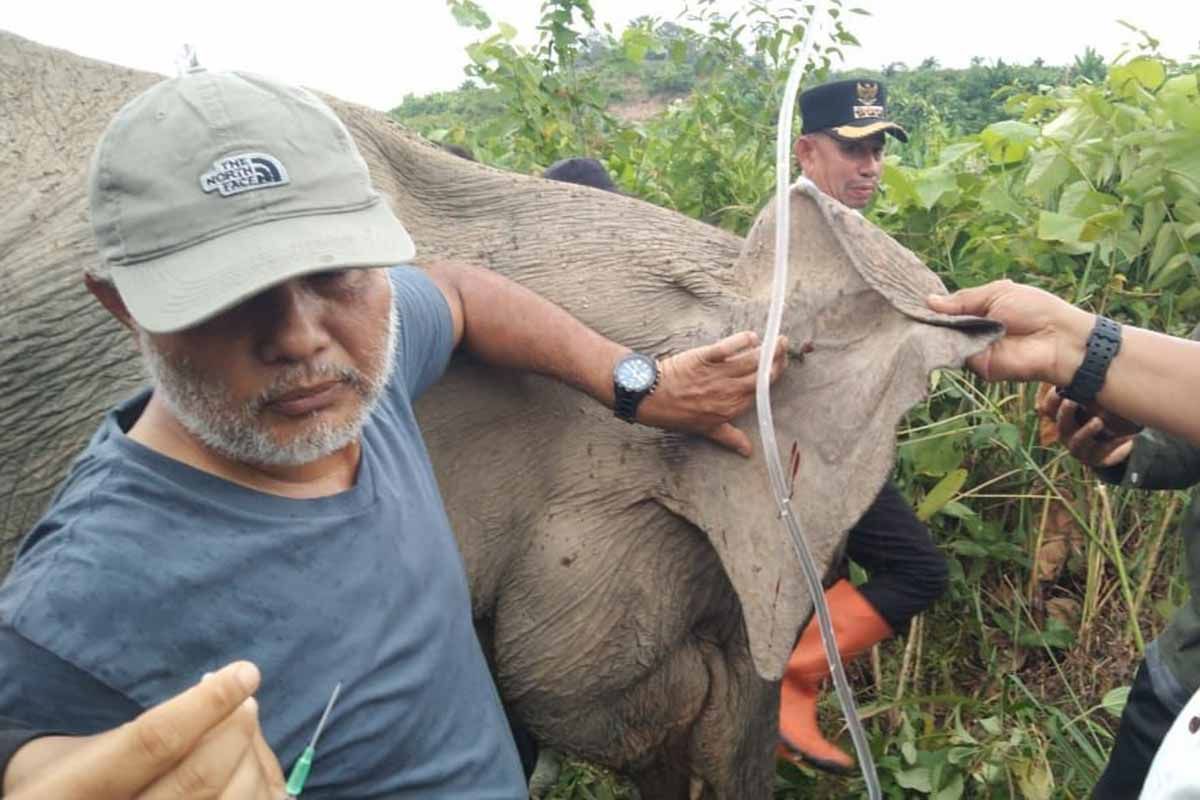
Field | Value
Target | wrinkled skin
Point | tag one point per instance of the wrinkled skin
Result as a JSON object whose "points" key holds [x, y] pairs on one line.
{"points": [[635, 592]]}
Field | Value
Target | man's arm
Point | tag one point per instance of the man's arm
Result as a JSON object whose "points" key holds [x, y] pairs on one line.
{"points": [[504, 324], [1154, 380]]}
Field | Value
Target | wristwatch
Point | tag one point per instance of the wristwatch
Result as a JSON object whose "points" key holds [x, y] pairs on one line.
{"points": [[634, 377], [1103, 344]]}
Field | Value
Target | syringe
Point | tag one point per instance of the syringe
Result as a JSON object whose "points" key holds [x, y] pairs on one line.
{"points": [[295, 783]]}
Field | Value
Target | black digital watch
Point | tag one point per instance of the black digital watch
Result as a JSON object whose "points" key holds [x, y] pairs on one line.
{"points": [[1103, 344]]}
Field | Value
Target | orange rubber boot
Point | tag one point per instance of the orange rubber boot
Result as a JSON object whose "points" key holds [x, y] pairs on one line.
{"points": [[857, 626]]}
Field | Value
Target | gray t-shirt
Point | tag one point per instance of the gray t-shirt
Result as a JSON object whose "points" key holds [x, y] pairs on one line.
{"points": [[146, 573]]}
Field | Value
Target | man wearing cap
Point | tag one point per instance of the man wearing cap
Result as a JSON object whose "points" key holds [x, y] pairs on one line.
{"points": [[270, 496], [841, 150]]}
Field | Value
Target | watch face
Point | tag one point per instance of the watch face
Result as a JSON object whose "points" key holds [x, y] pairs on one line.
{"points": [[635, 373]]}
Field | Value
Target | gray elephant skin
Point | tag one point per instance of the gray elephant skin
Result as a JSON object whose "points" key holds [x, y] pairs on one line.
{"points": [[634, 589]]}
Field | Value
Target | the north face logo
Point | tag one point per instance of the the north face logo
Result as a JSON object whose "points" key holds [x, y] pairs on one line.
{"points": [[244, 172]]}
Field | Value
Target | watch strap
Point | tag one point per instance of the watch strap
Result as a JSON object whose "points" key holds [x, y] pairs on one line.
{"points": [[1103, 344], [626, 403]]}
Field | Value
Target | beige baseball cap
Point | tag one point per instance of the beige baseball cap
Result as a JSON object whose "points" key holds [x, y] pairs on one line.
{"points": [[211, 187]]}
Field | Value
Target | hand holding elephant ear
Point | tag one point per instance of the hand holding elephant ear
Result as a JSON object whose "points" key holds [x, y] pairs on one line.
{"points": [[704, 389], [1044, 335]]}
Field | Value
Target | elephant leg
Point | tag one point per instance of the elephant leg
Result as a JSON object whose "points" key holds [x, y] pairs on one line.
{"points": [[723, 747], [733, 739], [726, 750]]}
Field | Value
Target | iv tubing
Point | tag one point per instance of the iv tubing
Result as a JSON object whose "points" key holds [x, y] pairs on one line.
{"points": [[766, 424]]}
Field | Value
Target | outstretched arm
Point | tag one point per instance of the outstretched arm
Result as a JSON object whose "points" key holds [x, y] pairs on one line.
{"points": [[700, 390], [1154, 380]]}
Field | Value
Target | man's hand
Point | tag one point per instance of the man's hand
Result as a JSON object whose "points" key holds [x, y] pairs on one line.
{"points": [[703, 389], [1094, 436], [203, 743], [1045, 335]]}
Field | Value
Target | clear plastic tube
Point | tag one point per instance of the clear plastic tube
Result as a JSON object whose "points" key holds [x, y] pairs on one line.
{"points": [[766, 425]]}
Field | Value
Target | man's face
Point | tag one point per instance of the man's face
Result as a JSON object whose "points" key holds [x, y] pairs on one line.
{"points": [[847, 171], [286, 377]]}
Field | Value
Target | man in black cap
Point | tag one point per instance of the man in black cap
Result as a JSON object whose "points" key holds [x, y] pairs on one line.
{"points": [[841, 144], [841, 150]]}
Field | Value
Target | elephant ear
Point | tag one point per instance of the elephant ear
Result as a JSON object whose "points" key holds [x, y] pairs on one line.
{"points": [[858, 296]]}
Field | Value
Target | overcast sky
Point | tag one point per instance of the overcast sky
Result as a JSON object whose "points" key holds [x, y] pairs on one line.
{"points": [[376, 52]]}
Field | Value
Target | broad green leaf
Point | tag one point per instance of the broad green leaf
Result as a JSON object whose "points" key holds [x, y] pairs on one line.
{"points": [[1080, 200], [1054, 227], [1166, 245], [1188, 302], [1153, 215], [957, 151], [1048, 170], [898, 184], [1182, 156], [1127, 237], [1191, 231], [968, 548], [909, 751], [1008, 142], [1184, 111], [1068, 125], [1105, 223], [1114, 701], [936, 456], [932, 184], [995, 197], [962, 755], [508, 32], [1187, 210], [1185, 85], [1149, 72], [1171, 270], [1014, 131], [1009, 434], [958, 510], [1139, 74], [941, 494], [953, 790], [916, 779]]}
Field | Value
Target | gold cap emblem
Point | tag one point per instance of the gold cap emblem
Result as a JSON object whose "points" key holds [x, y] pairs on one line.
{"points": [[868, 93]]}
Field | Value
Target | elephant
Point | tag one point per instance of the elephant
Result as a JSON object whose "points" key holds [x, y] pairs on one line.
{"points": [[634, 589]]}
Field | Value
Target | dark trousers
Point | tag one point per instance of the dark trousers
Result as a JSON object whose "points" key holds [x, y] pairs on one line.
{"points": [[1144, 723], [906, 570]]}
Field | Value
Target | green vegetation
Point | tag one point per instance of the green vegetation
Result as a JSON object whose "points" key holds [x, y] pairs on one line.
{"points": [[1084, 179]]}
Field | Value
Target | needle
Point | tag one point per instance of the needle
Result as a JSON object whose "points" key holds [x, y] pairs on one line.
{"points": [[295, 783]]}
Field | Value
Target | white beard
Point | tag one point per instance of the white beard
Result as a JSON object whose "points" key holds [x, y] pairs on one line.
{"points": [[236, 431]]}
